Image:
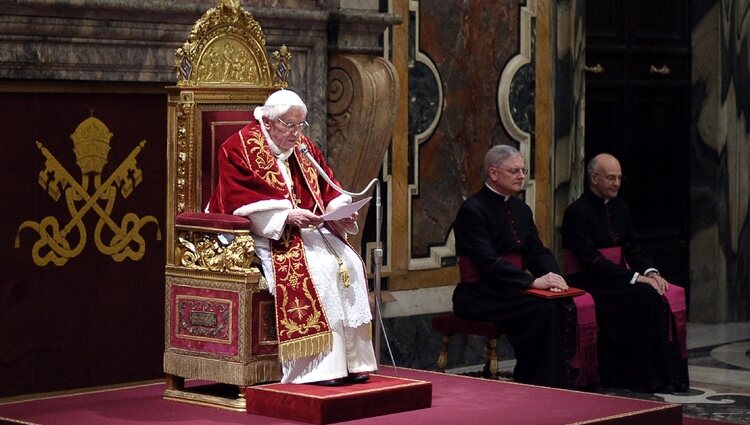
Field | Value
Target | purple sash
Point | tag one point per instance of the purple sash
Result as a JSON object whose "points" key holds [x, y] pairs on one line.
{"points": [[675, 295]]}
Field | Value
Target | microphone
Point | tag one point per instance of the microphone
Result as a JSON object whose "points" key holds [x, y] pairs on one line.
{"points": [[305, 151]]}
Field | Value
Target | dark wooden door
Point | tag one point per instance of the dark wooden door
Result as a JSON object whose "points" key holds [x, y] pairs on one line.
{"points": [[638, 109]]}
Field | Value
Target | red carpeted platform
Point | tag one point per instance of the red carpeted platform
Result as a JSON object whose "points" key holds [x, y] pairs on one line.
{"points": [[381, 395], [455, 400]]}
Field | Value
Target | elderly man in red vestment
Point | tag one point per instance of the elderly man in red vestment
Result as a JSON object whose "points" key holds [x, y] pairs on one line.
{"points": [[319, 281]]}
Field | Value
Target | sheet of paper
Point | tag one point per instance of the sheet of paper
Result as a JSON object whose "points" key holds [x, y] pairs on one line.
{"points": [[345, 211]]}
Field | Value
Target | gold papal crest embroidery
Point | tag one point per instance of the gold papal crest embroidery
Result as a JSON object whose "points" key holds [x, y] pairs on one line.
{"points": [[91, 141]]}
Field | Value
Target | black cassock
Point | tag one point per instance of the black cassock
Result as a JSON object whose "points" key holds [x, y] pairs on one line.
{"points": [[541, 331], [637, 344]]}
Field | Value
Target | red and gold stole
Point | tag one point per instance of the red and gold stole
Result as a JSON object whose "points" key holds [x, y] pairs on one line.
{"points": [[301, 324]]}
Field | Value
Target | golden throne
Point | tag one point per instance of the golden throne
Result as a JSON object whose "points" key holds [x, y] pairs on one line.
{"points": [[219, 319]]}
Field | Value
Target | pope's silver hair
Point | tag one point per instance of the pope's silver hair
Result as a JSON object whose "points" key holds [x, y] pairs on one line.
{"points": [[497, 155]]}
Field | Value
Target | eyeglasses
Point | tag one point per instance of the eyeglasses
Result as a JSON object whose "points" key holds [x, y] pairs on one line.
{"points": [[291, 127]]}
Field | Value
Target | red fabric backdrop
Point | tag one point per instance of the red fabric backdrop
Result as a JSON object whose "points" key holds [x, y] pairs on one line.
{"points": [[93, 320]]}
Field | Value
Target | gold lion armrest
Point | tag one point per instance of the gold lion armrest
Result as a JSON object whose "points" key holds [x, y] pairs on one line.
{"points": [[215, 242]]}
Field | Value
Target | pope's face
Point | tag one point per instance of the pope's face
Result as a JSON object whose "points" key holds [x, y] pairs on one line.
{"points": [[286, 130], [508, 177]]}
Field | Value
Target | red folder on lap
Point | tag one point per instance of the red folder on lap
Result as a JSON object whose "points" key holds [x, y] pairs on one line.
{"points": [[585, 358], [546, 293]]}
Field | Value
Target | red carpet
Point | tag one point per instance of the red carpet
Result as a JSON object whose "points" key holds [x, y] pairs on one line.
{"points": [[455, 400]]}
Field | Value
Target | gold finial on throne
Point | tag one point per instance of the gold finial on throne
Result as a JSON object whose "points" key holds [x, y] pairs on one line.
{"points": [[280, 64], [231, 4]]}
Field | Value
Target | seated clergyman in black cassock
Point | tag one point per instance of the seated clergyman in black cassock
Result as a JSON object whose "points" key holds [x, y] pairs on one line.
{"points": [[641, 345], [494, 232]]}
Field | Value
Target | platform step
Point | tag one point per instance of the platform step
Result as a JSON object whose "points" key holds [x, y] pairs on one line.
{"points": [[315, 404]]}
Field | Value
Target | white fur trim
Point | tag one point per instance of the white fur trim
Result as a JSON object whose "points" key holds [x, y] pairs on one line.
{"points": [[267, 218], [258, 114], [265, 205], [338, 201]]}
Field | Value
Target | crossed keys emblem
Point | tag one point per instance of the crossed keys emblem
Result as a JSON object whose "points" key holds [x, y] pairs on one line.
{"points": [[91, 145]]}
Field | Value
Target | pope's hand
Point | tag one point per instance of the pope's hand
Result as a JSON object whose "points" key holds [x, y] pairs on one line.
{"points": [[348, 221], [301, 217]]}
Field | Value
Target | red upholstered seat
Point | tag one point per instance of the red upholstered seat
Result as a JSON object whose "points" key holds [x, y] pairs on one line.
{"points": [[213, 220], [449, 324], [585, 358]]}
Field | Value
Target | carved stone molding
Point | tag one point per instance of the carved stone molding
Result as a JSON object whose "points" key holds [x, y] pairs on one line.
{"points": [[515, 106]]}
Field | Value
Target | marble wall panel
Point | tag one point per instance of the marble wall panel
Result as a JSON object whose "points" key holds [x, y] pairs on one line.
{"points": [[720, 152], [469, 43], [569, 104]]}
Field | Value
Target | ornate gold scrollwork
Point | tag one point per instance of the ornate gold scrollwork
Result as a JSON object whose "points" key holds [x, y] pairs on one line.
{"points": [[596, 69], [184, 113], [227, 46], [208, 251]]}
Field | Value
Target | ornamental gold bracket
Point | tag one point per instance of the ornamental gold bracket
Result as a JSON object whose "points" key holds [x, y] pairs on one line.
{"points": [[217, 252]]}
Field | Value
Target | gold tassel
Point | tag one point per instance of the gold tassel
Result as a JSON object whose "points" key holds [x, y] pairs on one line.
{"points": [[344, 274], [304, 347], [242, 372]]}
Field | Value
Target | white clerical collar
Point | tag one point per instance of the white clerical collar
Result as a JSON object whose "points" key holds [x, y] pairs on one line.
{"points": [[505, 197], [282, 155]]}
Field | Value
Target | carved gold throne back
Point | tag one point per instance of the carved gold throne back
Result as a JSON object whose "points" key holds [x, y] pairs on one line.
{"points": [[219, 322]]}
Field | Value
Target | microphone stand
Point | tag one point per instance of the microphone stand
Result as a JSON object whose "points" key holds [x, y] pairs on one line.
{"points": [[378, 252]]}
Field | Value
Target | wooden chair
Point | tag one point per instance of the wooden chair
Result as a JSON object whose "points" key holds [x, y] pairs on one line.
{"points": [[448, 324], [219, 319]]}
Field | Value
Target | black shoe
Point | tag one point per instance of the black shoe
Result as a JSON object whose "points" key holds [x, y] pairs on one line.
{"points": [[357, 378], [666, 389], [682, 387], [330, 382]]}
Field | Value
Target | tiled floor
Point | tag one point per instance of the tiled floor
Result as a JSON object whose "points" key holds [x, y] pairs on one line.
{"points": [[719, 366]]}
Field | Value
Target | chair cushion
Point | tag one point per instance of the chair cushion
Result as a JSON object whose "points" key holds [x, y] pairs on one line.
{"points": [[213, 220], [449, 323]]}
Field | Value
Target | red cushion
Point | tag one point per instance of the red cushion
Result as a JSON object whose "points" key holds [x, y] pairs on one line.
{"points": [[449, 323], [213, 220]]}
